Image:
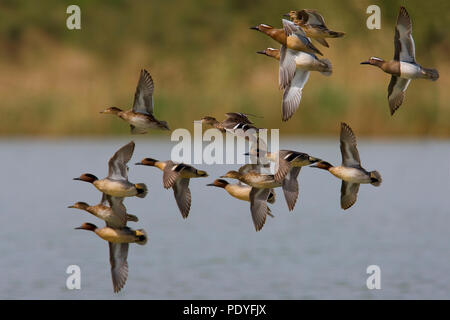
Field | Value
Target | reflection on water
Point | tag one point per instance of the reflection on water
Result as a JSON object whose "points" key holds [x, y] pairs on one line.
{"points": [[317, 251]]}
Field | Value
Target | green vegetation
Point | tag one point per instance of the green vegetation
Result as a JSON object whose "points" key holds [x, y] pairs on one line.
{"points": [[201, 54]]}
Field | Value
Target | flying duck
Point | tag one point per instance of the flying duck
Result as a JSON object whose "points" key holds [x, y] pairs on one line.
{"points": [[403, 67], [297, 64], [312, 22], [350, 171], [118, 240], [140, 117], [116, 184]]}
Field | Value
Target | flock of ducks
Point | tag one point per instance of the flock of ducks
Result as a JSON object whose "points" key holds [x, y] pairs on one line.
{"points": [[297, 57]]}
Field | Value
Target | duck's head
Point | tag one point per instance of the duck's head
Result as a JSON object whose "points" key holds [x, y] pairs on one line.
{"points": [[87, 177], [232, 175], [79, 205], [262, 27], [375, 61], [322, 165], [208, 120], [220, 183], [111, 110], [147, 162], [271, 52], [87, 226]]}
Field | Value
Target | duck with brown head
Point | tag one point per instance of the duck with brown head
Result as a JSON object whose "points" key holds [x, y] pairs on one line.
{"points": [[291, 36], [404, 67], [313, 23], [116, 184], [140, 117], [118, 241], [114, 215]]}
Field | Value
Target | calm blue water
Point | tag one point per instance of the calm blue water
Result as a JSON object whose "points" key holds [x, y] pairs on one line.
{"points": [[316, 252]]}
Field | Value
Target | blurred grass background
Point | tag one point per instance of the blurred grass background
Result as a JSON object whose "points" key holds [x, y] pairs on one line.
{"points": [[201, 54]]}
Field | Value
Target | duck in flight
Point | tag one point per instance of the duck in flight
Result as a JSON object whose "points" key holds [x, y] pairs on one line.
{"points": [[294, 73], [313, 24], [113, 218], [140, 117], [261, 183], [242, 192], [116, 233], [404, 66], [232, 122], [350, 171], [118, 240], [116, 184], [177, 176]]}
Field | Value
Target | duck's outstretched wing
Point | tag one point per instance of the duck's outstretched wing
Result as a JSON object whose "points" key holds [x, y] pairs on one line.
{"points": [[405, 49], [285, 157], [258, 207], [143, 98], [172, 172], [119, 211], [290, 187], [182, 196], [349, 193], [238, 117], [350, 155], [287, 67], [118, 253], [293, 94], [118, 169], [396, 92]]}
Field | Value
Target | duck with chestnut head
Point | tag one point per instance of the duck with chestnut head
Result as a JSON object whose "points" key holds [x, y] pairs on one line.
{"points": [[116, 184]]}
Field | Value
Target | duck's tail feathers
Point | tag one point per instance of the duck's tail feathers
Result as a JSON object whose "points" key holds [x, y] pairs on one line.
{"points": [[335, 34], [375, 178], [327, 68], [431, 74], [141, 236], [141, 190], [132, 217]]}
